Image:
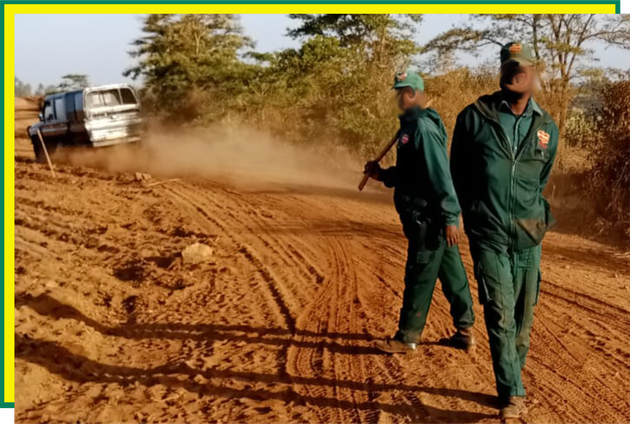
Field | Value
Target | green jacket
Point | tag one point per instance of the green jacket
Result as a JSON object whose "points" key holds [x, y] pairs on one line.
{"points": [[421, 176], [501, 191]]}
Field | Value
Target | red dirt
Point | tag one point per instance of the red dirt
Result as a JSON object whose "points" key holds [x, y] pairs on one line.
{"points": [[111, 326]]}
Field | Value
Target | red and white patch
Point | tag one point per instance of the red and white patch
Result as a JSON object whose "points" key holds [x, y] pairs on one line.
{"points": [[543, 139], [401, 77], [404, 139]]}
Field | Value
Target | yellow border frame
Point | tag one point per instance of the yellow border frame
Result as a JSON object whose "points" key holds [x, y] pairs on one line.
{"points": [[10, 10], [253, 9], [9, 209]]}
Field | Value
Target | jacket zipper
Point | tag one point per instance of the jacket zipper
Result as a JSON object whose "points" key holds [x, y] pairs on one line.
{"points": [[513, 158], [519, 152]]}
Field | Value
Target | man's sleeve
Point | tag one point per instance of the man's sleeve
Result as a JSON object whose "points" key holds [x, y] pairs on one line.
{"points": [[389, 176], [553, 148], [439, 176], [460, 158]]}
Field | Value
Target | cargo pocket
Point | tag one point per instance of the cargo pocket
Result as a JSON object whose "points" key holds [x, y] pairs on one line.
{"points": [[481, 283], [423, 256], [534, 229], [417, 229]]}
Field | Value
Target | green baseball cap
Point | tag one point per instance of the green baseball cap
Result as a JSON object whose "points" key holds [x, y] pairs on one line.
{"points": [[408, 78], [518, 52]]}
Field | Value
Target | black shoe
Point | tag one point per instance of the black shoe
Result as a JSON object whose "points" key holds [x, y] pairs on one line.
{"points": [[462, 339], [395, 346]]}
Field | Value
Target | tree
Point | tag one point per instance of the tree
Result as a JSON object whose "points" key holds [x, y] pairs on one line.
{"points": [[181, 55], [609, 176], [348, 63], [380, 36], [21, 89], [41, 90], [73, 82], [561, 43]]}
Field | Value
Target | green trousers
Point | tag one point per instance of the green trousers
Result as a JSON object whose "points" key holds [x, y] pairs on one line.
{"points": [[509, 286], [429, 258]]}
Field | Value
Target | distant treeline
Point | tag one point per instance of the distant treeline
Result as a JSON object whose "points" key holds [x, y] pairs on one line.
{"points": [[68, 82]]}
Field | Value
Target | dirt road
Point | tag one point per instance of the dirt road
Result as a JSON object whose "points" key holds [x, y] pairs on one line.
{"points": [[112, 326]]}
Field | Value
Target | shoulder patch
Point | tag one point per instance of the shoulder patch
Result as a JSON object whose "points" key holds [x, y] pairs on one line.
{"points": [[543, 139]]}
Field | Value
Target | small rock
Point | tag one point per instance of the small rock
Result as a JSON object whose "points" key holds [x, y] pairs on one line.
{"points": [[50, 284], [196, 253], [142, 177], [200, 379]]}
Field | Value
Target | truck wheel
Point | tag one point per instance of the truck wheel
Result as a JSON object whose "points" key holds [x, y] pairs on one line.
{"points": [[40, 156]]}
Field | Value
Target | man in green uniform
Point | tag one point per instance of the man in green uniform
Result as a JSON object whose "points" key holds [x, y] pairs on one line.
{"points": [[426, 202], [503, 150]]}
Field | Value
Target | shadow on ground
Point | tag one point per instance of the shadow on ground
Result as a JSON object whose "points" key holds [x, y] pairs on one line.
{"points": [[59, 360]]}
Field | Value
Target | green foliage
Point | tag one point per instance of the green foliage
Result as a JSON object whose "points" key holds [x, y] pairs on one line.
{"points": [[374, 35], [579, 128], [342, 75], [184, 58], [334, 87], [73, 82]]}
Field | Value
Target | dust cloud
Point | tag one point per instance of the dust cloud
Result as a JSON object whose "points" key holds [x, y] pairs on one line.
{"points": [[239, 154]]}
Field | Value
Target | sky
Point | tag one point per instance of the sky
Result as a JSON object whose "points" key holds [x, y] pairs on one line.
{"points": [[50, 46]]}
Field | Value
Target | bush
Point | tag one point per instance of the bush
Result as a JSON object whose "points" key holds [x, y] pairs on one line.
{"points": [[608, 180], [452, 91], [579, 128]]}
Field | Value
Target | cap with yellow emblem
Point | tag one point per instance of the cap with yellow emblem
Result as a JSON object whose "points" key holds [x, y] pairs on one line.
{"points": [[408, 78], [518, 52]]}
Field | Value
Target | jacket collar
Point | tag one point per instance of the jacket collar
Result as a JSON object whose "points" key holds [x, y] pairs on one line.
{"points": [[489, 105], [411, 114], [532, 107]]}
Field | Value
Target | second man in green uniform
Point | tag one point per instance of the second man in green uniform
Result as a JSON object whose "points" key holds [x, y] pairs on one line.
{"points": [[429, 211]]}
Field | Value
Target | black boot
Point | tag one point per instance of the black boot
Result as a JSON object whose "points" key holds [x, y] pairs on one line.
{"points": [[394, 346], [462, 339]]}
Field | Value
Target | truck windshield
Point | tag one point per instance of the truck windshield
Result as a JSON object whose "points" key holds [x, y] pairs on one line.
{"points": [[111, 97]]}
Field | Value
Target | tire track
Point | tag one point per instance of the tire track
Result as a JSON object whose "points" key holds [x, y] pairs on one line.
{"points": [[275, 301], [333, 308]]}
